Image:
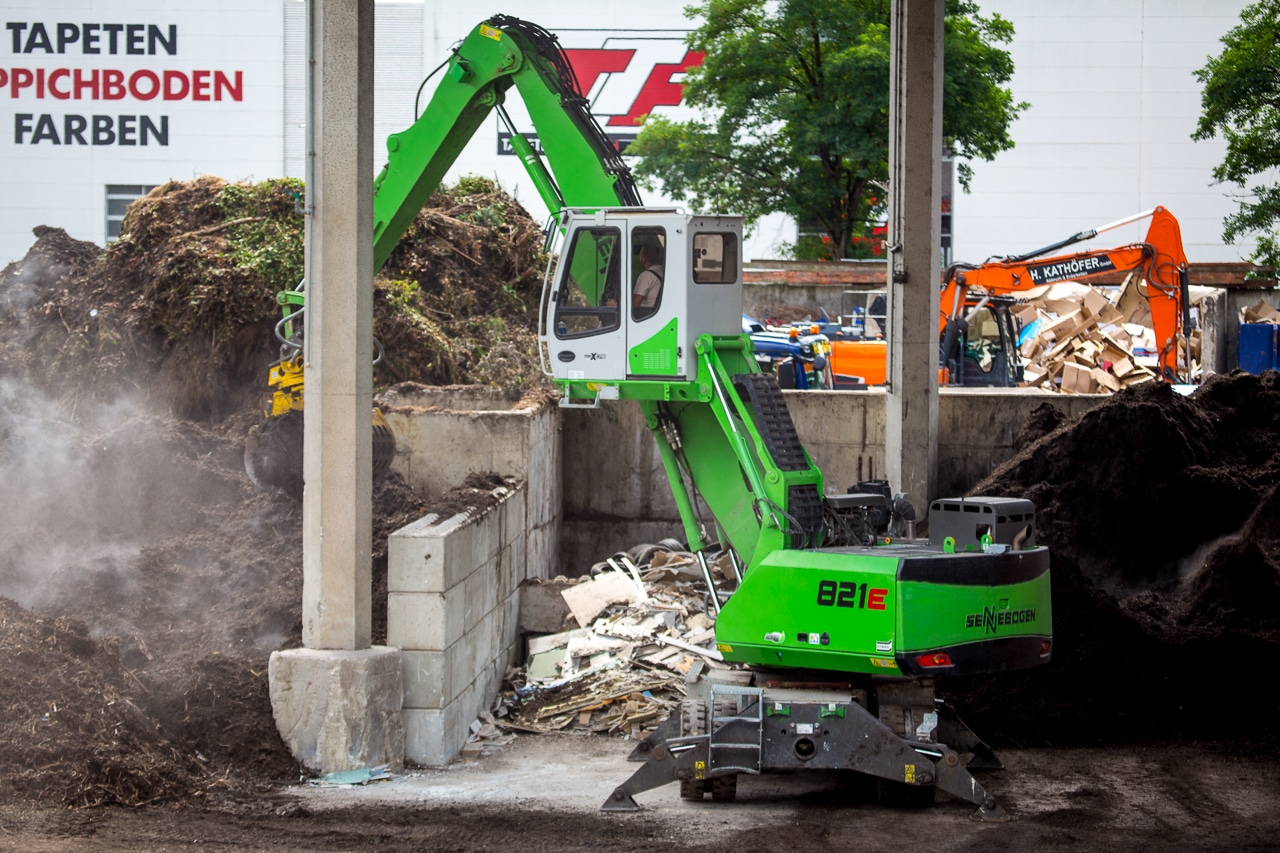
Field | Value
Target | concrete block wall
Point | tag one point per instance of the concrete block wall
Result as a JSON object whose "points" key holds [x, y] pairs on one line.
{"points": [[453, 583], [453, 610], [445, 433]]}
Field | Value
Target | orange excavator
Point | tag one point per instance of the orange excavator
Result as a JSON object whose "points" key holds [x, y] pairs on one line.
{"points": [[983, 290], [1159, 258]]}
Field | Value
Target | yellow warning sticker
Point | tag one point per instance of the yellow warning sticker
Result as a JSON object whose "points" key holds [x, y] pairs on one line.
{"points": [[909, 773], [490, 32], [724, 647], [699, 769]]}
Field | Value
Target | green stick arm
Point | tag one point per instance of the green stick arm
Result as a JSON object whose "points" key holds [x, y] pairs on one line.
{"points": [[499, 54]]}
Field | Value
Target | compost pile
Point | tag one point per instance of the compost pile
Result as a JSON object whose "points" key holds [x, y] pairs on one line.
{"points": [[1162, 517], [143, 582], [180, 314]]}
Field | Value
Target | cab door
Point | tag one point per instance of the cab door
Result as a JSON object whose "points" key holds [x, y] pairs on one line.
{"points": [[586, 336], [655, 315]]}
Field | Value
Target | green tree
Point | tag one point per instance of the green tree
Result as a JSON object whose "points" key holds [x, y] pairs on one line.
{"points": [[1241, 101], [799, 92]]}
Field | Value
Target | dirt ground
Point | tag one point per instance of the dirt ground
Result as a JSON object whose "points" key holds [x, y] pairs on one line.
{"points": [[144, 582], [542, 793]]}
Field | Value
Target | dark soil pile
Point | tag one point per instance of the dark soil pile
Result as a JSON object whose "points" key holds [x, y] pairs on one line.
{"points": [[170, 582], [145, 582], [1162, 517], [86, 741]]}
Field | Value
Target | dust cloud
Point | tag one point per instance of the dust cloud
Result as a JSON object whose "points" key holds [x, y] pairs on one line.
{"points": [[90, 506]]}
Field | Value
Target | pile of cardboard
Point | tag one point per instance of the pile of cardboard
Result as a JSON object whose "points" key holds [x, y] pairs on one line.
{"points": [[632, 637], [1260, 313], [1077, 340]]}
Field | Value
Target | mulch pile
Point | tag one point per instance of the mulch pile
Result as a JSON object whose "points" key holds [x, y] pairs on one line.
{"points": [[179, 314], [143, 581], [1162, 516]]}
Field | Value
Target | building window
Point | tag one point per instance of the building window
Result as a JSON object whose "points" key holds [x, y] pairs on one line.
{"points": [[119, 197]]}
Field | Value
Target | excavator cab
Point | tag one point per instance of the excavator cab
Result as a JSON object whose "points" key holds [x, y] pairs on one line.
{"points": [[632, 291], [987, 352]]}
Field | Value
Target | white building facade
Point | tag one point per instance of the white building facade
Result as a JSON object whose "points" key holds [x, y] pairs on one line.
{"points": [[1114, 102], [102, 99]]}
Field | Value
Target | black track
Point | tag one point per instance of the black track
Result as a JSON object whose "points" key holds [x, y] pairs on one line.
{"points": [[773, 420]]}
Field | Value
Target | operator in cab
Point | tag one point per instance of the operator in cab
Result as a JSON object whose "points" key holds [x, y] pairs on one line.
{"points": [[648, 290]]}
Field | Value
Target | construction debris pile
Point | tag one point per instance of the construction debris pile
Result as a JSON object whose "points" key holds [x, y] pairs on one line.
{"points": [[1075, 339], [643, 630]]}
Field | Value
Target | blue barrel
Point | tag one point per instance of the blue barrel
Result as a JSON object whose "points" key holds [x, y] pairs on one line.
{"points": [[1259, 347]]}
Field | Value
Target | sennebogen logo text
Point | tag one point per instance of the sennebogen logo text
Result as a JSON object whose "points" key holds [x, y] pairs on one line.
{"points": [[991, 618]]}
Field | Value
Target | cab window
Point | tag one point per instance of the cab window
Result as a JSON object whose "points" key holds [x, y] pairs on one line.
{"points": [[587, 298], [648, 270], [715, 257], [983, 345]]}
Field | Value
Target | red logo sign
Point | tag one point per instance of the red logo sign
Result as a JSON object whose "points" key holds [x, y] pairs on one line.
{"points": [[658, 90]]}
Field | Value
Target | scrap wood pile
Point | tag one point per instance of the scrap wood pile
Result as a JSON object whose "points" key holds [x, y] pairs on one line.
{"points": [[1075, 339], [642, 632]]}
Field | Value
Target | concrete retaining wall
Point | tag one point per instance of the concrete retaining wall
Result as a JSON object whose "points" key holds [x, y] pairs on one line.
{"points": [[445, 433], [616, 492]]}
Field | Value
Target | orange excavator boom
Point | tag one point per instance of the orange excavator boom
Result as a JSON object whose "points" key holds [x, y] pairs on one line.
{"points": [[1160, 259]]}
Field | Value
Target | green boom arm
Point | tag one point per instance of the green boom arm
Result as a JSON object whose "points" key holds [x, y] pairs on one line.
{"points": [[728, 440], [501, 53]]}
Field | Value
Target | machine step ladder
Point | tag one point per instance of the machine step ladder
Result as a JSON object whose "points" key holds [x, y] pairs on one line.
{"points": [[733, 752]]}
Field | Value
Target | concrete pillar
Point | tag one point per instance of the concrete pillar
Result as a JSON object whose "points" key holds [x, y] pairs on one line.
{"points": [[337, 702], [337, 503], [1213, 327], [915, 236]]}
